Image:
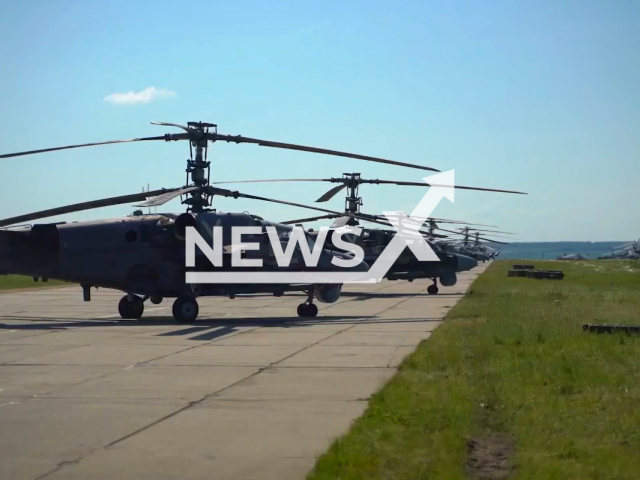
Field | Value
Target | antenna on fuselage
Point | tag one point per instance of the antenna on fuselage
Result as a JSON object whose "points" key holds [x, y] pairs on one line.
{"points": [[155, 209]]}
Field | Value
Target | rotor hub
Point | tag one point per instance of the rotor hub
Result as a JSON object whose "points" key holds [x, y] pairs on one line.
{"points": [[199, 169], [353, 201]]}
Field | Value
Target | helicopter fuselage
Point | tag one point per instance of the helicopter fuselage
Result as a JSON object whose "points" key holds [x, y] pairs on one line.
{"points": [[407, 266], [143, 255]]}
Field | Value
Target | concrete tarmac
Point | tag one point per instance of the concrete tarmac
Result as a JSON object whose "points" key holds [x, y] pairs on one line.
{"points": [[249, 391]]}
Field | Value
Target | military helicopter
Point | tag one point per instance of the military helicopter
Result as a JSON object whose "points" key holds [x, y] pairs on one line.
{"points": [[624, 252], [143, 255], [373, 241], [474, 247], [572, 256], [620, 255], [633, 247]]}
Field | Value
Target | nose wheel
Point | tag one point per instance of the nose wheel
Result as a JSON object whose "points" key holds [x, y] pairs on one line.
{"points": [[308, 308], [433, 289], [131, 308]]}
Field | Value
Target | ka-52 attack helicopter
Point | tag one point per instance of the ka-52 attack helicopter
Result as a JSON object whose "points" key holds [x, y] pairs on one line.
{"points": [[144, 255], [474, 247], [374, 240], [572, 256], [630, 251], [620, 255]]}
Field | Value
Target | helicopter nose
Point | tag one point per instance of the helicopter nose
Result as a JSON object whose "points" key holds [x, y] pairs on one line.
{"points": [[466, 263]]}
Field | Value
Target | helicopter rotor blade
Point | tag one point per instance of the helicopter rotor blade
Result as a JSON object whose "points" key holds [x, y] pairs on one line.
{"points": [[336, 189], [473, 230], [31, 152], [78, 207], [448, 231], [165, 197], [275, 180], [290, 146], [377, 219], [460, 242], [500, 236], [235, 194], [331, 193], [425, 219], [342, 219], [305, 220], [381, 182], [340, 222], [441, 220], [213, 136], [473, 240], [493, 241], [423, 184], [471, 236], [167, 124], [622, 247], [457, 222]]}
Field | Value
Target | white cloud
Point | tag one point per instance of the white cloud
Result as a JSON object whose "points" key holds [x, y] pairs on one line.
{"points": [[144, 96]]}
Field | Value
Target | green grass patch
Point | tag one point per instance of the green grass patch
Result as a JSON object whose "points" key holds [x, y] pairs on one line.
{"points": [[10, 282], [511, 370]]}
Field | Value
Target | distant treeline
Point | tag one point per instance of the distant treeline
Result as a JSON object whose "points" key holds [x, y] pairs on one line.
{"points": [[551, 250]]}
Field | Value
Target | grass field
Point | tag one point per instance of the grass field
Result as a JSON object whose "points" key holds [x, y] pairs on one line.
{"points": [[10, 282], [511, 387]]}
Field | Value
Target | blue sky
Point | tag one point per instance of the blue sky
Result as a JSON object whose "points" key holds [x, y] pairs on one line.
{"points": [[538, 96]]}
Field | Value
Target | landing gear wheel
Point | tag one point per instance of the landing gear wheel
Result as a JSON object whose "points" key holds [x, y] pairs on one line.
{"points": [[185, 309], [124, 308], [131, 310], [136, 308], [432, 289], [307, 310]]}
